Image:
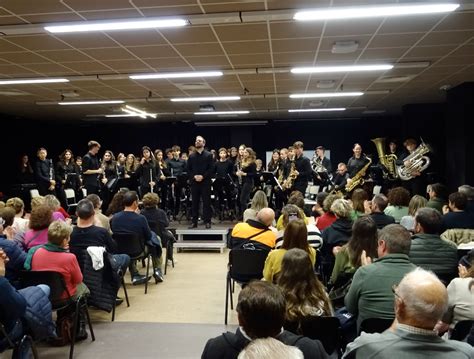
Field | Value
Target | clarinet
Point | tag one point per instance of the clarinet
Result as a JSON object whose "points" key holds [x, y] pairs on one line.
{"points": [[51, 186], [239, 169], [151, 180]]}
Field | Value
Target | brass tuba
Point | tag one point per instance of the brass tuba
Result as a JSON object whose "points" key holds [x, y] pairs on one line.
{"points": [[418, 162], [387, 161]]}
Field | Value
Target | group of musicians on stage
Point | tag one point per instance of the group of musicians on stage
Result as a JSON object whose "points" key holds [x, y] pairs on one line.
{"points": [[232, 174]]}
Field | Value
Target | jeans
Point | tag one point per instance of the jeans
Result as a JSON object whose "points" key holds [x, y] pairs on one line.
{"points": [[120, 262], [45, 289]]}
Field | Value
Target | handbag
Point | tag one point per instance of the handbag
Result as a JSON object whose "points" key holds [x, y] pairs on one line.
{"points": [[111, 184]]}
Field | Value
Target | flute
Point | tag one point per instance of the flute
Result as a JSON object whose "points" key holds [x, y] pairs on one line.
{"points": [[52, 183]]}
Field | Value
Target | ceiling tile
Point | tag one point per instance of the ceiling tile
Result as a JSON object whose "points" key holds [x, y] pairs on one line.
{"points": [[295, 45], [170, 11], [89, 67], [212, 61], [293, 58], [381, 54], [11, 20], [395, 40], [87, 41], [38, 42], [242, 32], [64, 55], [351, 27], [126, 65], [169, 63], [189, 35], [6, 46], [399, 24], [200, 49], [159, 51], [227, 7], [430, 52], [116, 53], [51, 69], [112, 15], [457, 21], [82, 5], [247, 47], [447, 38], [294, 29], [329, 56], [131, 38], [13, 70], [51, 18], [25, 7], [23, 58], [251, 60]]}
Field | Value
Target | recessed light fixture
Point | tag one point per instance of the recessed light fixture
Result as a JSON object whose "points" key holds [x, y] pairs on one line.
{"points": [[318, 109], [135, 24], [327, 94], [207, 98], [222, 113], [350, 68], [344, 47], [31, 81], [374, 11], [105, 102], [176, 75]]}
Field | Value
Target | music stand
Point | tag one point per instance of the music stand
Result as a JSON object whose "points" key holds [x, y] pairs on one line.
{"points": [[270, 179]]}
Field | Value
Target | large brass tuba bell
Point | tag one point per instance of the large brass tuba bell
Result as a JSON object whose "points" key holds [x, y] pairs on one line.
{"points": [[388, 161]]}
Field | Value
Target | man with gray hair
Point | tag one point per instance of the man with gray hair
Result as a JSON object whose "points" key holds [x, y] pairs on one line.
{"points": [[469, 192], [370, 294], [269, 348], [376, 209], [420, 301]]}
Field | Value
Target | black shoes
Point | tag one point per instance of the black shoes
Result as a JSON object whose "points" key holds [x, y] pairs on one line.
{"points": [[192, 226], [158, 275], [208, 225], [140, 279], [118, 301]]}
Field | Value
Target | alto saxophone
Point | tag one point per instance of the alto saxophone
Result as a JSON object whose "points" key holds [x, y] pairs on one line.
{"points": [[358, 179], [290, 180]]}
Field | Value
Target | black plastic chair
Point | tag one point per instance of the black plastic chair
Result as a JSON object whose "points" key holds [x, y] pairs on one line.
{"points": [[56, 283], [134, 246], [461, 330], [162, 233], [375, 325], [244, 266], [18, 344]]}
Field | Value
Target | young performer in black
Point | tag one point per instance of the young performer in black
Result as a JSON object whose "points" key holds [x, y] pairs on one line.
{"points": [[177, 168], [44, 173], [303, 169], [247, 173], [146, 172], [223, 184], [91, 170], [66, 176]]}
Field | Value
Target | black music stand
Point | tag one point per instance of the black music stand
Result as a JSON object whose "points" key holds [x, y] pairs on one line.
{"points": [[270, 179]]}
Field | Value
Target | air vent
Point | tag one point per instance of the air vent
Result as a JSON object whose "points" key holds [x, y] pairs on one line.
{"points": [[344, 47], [325, 84], [193, 86]]}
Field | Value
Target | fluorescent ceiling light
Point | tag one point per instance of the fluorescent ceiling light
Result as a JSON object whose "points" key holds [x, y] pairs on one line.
{"points": [[137, 112], [374, 11], [231, 123], [177, 75], [209, 98], [124, 115], [90, 102], [350, 68], [116, 25], [222, 113], [318, 109], [327, 94], [31, 81]]}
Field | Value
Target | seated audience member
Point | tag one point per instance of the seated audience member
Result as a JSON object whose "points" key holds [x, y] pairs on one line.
{"points": [[256, 232], [20, 224], [101, 219], [398, 200], [468, 191], [116, 204], [36, 201], [54, 256], [420, 301], [428, 250], [261, 314], [338, 233], [348, 257], [358, 198], [259, 201], [297, 199], [8, 216], [375, 209], [295, 236], [455, 216], [370, 294], [460, 299], [52, 202], [10, 248], [87, 234], [129, 221], [328, 217], [304, 294], [438, 194], [40, 219], [318, 210], [415, 204], [269, 348], [291, 212]]}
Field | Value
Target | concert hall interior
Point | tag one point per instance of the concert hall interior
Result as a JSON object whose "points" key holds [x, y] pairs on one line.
{"points": [[383, 89]]}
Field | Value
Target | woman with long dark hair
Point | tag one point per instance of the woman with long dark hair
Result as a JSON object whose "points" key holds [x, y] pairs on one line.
{"points": [[274, 163], [246, 172], [295, 236], [25, 173], [146, 172], [67, 176], [304, 293], [109, 177]]}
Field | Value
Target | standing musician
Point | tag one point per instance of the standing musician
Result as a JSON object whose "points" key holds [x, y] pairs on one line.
{"points": [[415, 185], [356, 162], [44, 173], [91, 169], [223, 183], [246, 173], [109, 177], [177, 167], [323, 164], [146, 172], [162, 172], [67, 176], [303, 168], [282, 175], [274, 163], [200, 170]]}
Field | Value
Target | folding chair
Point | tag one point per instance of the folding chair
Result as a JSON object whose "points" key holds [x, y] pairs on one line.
{"points": [[34, 193], [18, 344], [376, 190], [134, 246], [244, 266], [313, 191], [56, 283], [375, 325], [70, 200]]}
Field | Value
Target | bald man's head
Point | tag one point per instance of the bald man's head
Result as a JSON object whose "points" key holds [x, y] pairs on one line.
{"points": [[266, 216], [420, 299]]}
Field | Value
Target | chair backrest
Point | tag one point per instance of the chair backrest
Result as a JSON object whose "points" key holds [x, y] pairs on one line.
{"points": [[375, 325], [247, 264], [325, 329], [54, 280], [84, 192], [314, 189], [129, 243], [377, 189], [34, 193], [461, 330], [69, 192]]}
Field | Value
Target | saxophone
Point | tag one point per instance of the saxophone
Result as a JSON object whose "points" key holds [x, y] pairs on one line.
{"points": [[358, 179], [290, 180], [388, 161]]}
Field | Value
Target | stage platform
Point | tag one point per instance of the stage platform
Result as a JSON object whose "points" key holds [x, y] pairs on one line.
{"points": [[214, 238]]}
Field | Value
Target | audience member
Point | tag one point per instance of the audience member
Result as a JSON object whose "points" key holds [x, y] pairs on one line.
{"points": [[295, 236], [269, 348], [469, 192], [116, 204], [259, 201], [358, 198], [398, 200], [257, 233], [375, 209], [36, 201], [40, 219], [438, 194], [328, 217], [415, 204], [428, 250], [101, 219], [129, 221], [20, 224], [370, 294], [318, 209], [261, 314], [420, 301], [14, 253], [58, 213], [455, 216], [8, 216]]}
